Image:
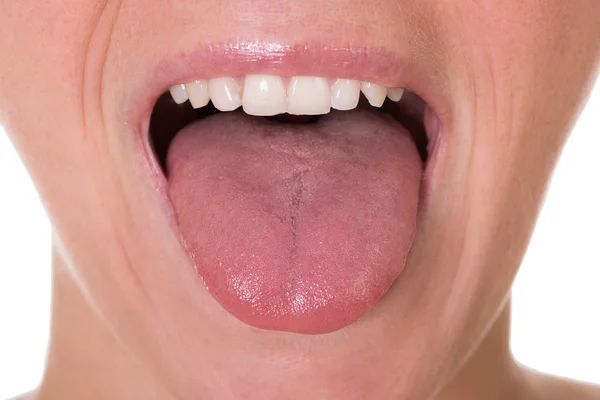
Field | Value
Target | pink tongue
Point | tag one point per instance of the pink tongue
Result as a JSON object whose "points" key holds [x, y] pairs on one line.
{"points": [[293, 227]]}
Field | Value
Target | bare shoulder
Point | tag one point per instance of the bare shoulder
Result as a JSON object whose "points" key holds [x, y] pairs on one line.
{"points": [[549, 387]]}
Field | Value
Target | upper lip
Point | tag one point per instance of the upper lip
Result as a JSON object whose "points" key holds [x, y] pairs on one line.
{"points": [[376, 65]]}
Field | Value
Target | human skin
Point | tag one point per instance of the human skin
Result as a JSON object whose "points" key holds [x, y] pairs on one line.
{"points": [[130, 318]]}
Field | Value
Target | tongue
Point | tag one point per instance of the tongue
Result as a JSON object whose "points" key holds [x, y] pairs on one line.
{"points": [[292, 227]]}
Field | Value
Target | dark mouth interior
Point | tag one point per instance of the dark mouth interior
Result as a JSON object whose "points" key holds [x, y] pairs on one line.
{"points": [[168, 118]]}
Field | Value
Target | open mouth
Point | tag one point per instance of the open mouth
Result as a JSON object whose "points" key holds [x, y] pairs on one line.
{"points": [[179, 107], [297, 198]]}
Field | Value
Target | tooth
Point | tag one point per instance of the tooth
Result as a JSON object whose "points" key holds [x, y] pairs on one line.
{"points": [[374, 93], [395, 94], [264, 95], [179, 93], [225, 93], [309, 95], [198, 93], [345, 94]]}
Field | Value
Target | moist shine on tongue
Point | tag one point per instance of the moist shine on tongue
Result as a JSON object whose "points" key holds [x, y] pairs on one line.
{"points": [[297, 228]]}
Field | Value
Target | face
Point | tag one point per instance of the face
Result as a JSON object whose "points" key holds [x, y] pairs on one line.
{"points": [[292, 259]]}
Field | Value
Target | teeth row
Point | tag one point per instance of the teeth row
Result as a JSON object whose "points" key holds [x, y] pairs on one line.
{"points": [[265, 95]]}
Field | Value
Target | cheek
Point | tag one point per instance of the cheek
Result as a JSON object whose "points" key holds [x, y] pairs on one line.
{"points": [[41, 90], [520, 69], [46, 45], [517, 35]]}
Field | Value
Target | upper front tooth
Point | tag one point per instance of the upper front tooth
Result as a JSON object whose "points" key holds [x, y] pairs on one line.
{"points": [[374, 93], [225, 93], [264, 95], [395, 94], [198, 93], [345, 94], [308, 95], [179, 94]]}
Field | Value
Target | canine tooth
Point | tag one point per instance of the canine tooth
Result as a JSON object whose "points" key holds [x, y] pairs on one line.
{"points": [[179, 93], [264, 95], [395, 94], [308, 95], [198, 93], [374, 93], [225, 93], [345, 94]]}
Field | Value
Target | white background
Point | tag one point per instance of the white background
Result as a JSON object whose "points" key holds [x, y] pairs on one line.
{"points": [[556, 321]]}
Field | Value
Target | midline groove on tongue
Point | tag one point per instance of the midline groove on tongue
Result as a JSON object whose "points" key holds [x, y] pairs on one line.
{"points": [[267, 95]]}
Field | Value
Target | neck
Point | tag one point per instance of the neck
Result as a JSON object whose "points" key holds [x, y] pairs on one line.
{"points": [[86, 361], [491, 372]]}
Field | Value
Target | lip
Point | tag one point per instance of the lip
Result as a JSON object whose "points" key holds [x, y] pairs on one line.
{"points": [[351, 61]]}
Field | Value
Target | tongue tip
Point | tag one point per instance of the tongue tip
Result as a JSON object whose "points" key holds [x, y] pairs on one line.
{"points": [[303, 303], [326, 319]]}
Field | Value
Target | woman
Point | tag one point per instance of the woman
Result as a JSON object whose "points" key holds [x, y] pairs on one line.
{"points": [[307, 245]]}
